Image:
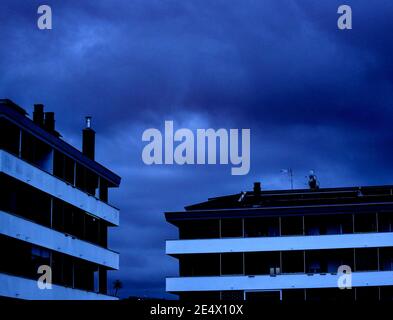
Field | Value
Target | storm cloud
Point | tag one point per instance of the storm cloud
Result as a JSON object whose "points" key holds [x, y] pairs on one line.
{"points": [[314, 97]]}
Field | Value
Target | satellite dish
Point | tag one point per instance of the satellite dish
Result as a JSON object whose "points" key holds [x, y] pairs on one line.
{"points": [[313, 181]]}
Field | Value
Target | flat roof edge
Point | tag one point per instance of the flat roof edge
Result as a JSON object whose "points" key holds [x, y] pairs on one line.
{"points": [[57, 143]]}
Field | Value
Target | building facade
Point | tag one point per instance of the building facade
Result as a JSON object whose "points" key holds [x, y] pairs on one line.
{"points": [[54, 210], [287, 245]]}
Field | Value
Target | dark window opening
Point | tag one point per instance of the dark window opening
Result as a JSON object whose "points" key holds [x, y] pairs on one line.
{"points": [[73, 272], [84, 276], [103, 192], [92, 229], [37, 152], [261, 227], [385, 222], [263, 296], [199, 295], [232, 295], [328, 261], [199, 229], [64, 167], [103, 233], [328, 224], [232, 263], [199, 265], [261, 263], [9, 137], [17, 257], [86, 180], [365, 222], [292, 262], [231, 228], [76, 222], [386, 293], [386, 259], [25, 201], [39, 257], [367, 294], [366, 259], [330, 295], [292, 226], [293, 295]]}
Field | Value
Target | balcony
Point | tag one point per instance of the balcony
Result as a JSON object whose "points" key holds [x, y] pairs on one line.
{"points": [[282, 281], [25, 230], [22, 288], [285, 243], [44, 181]]}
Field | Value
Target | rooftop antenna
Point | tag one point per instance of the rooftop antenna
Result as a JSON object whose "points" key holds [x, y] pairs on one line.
{"points": [[313, 181], [289, 172]]}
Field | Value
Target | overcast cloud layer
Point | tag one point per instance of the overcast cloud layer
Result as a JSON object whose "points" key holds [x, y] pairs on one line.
{"points": [[314, 97]]}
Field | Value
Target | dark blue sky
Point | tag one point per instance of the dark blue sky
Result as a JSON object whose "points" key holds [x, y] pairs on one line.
{"points": [[314, 97]]}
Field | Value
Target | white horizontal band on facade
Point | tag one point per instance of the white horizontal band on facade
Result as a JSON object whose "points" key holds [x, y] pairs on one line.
{"points": [[22, 288], [37, 178], [283, 243], [282, 281], [31, 232]]}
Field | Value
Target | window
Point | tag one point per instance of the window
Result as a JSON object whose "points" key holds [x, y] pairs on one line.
{"points": [[264, 296], [37, 152], [386, 293], [199, 265], [292, 262], [386, 259], [385, 222], [328, 224], [231, 263], [261, 227], [330, 294], [293, 295], [20, 199], [39, 257], [231, 228], [365, 222], [199, 229], [291, 226], [261, 263], [18, 257], [64, 167], [84, 275], [232, 295], [366, 259], [367, 294], [85, 179], [78, 223], [327, 261], [199, 295], [9, 136], [92, 226]]}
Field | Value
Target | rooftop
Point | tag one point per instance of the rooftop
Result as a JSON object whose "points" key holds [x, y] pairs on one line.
{"points": [[19, 116], [297, 197], [258, 203]]}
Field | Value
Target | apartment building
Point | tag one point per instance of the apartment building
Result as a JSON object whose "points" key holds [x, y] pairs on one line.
{"points": [[286, 245], [54, 210]]}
